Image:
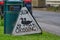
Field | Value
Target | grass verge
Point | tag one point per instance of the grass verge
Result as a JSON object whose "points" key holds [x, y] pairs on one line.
{"points": [[44, 36]]}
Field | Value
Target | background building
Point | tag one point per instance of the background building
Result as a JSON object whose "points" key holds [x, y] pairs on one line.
{"points": [[54, 3], [38, 3]]}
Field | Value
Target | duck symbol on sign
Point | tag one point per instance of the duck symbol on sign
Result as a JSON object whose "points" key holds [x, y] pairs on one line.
{"points": [[25, 22]]}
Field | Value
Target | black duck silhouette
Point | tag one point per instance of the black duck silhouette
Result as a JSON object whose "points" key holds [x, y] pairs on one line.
{"points": [[25, 22]]}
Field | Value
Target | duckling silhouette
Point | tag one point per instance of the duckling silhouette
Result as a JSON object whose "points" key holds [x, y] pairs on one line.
{"points": [[25, 22]]}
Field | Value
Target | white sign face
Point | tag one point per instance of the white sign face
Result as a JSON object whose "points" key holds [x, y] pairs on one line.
{"points": [[14, 0], [25, 24]]}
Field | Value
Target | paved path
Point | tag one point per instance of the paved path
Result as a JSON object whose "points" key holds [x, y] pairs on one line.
{"points": [[49, 21]]}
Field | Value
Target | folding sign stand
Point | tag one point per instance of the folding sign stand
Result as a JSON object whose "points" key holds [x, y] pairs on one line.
{"points": [[26, 24]]}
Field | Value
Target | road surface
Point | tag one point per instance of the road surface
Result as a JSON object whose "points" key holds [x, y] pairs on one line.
{"points": [[49, 21]]}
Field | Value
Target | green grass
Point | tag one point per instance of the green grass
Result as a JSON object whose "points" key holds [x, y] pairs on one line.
{"points": [[55, 9], [1, 22], [44, 36]]}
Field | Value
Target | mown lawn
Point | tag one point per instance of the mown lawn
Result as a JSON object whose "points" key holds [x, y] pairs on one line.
{"points": [[44, 36]]}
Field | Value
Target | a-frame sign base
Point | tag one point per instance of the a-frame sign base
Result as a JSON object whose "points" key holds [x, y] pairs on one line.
{"points": [[26, 24]]}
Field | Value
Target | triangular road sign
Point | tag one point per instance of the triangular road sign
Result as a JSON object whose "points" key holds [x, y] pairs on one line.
{"points": [[26, 24]]}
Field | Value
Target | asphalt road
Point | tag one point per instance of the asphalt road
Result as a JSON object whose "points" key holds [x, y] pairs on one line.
{"points": [[49, 21]]}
